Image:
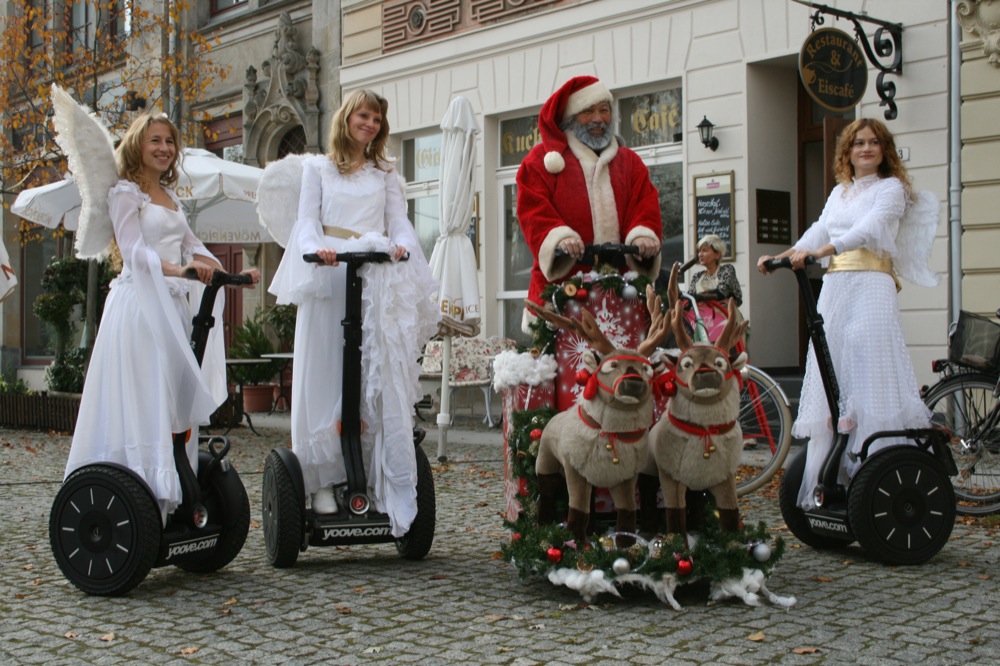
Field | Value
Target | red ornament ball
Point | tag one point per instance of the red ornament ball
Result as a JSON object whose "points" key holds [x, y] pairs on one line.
{"points": [[554, 555], [684, 567], [582, 377], [535, 434], [516, 536], [582, 294], [522, 487]]}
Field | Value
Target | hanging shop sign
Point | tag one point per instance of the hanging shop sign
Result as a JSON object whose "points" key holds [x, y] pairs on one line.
{"points": [[833, 69]]}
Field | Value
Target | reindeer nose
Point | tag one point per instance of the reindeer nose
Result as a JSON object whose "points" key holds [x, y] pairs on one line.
{"points": [[706, 378], [632, 386]]}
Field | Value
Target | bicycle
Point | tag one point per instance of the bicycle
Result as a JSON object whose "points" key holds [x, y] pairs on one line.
{"points": [[965, 402], [765, 417]]}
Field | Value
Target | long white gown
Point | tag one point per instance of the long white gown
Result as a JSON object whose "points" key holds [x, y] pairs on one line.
{"points": [[878, 388], [144, 384], [398, 319]]}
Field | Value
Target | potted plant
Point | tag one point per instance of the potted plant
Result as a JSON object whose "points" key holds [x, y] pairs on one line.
{"points": [[251, 341]]}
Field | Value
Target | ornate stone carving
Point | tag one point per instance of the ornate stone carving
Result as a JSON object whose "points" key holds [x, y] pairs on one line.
{"points": [[410, 21], [287, 97], [982, 18]]}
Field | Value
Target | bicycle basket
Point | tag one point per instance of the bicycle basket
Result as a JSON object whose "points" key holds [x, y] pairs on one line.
{"points": [[975, 342]]}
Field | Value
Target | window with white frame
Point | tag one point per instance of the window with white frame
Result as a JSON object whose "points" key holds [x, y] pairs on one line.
{"points": [[421, 167]]}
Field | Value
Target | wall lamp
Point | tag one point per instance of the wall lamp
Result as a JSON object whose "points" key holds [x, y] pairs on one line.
{"points": [[705, 129]]}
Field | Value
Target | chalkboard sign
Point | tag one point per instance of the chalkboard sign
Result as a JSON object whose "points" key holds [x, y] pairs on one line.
{"points": [[713, 209]]}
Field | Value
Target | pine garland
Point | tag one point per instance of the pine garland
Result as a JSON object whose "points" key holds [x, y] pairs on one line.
{"points": [[539, 549]]}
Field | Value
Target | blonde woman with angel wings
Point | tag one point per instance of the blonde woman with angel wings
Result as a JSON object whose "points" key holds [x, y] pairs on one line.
{"points": [[351, 200], [143, 383]]}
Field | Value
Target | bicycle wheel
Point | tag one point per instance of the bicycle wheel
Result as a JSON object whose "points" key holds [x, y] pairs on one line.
{"points": [[766, 421], [965, 405]]}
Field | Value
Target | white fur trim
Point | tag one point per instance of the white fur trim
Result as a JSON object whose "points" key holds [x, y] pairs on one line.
{"points": [[584, 98], [603, 211], [554, 162], [553, 267], [512, 368]]}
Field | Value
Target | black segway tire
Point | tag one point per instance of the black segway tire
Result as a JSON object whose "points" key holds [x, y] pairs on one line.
{"points": [[227, 504], [416, 543], [795, 517], [104, 529], [282, 510], [901, 506]]}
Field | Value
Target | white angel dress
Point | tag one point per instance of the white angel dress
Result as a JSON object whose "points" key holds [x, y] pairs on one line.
{"points": [[878, 388], [144, 384], [363, 211]]}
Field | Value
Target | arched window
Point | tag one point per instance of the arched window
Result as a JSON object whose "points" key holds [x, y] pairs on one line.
{"points": [[293, 143]]}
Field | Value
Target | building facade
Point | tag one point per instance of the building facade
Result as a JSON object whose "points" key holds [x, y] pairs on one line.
{"points": [[671, 64]]}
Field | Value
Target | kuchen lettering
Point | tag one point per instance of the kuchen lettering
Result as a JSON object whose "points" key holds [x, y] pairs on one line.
{"points": [[192, 546], [828, 525], [353, 532]]}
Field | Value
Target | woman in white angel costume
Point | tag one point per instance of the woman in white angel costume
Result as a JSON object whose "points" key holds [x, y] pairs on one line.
{"points": [[144, 383], [351, 199], [872, 228]]}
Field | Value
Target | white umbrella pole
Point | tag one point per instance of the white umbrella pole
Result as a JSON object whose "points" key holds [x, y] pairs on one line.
{"points": [[444, 416]]}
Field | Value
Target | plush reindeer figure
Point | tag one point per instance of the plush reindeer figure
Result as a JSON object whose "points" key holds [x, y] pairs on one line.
{"points": [[697, 444], [602, 441]]}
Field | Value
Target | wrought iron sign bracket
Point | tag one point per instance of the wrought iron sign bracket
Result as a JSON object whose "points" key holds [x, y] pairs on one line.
{"points": [[887, 55]]}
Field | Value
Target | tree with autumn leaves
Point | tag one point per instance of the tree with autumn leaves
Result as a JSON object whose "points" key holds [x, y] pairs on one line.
{"points": [[116, 56], [119, 57]]}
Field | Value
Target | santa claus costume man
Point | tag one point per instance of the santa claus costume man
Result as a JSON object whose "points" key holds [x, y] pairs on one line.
{"points": [[580, 186]]}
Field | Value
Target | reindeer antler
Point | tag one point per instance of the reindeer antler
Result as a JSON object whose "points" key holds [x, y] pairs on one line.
{"points": [[659, 324], [733, 331], [587, 327], [684, 341]]}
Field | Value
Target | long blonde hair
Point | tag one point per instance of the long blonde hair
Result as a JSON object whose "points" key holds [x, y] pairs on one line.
{"points": [[130, 152], [891, 165], [340, 141]]}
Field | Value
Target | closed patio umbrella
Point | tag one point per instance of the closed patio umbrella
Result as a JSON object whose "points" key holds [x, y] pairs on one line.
{"points": [[453, 260]]}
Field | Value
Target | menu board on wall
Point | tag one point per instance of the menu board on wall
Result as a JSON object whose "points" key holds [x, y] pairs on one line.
{"points": [[713, 209]]}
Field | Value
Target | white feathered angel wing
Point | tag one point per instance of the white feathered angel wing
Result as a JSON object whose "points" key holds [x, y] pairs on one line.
{"points": [[278, 196], [90, 151]]}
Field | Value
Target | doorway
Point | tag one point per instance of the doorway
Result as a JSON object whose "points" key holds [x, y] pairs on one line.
{"points": [[231, 258]]}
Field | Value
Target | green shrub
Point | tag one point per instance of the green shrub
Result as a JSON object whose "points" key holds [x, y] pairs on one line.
{"points": [[251, 341]]}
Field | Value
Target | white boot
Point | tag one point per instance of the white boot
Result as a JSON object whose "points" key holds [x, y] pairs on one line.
{"points": [[323, 501]]}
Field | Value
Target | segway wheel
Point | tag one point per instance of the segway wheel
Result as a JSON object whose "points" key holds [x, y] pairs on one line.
{"points": [[795, 517], [227, 504], [282, 511], [105, 530], [901, 506], [416, 543]]}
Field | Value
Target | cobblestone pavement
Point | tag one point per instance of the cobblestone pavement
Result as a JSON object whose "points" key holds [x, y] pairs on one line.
{"points": [[463, 604]]}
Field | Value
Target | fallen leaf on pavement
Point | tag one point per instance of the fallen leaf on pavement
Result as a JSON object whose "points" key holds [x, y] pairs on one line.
{"points": [[822, 579], [758, 637], [805, 650], [231, 602], [189, 650], [372, 650], [108, 637], [343, 610], [70, 634]]}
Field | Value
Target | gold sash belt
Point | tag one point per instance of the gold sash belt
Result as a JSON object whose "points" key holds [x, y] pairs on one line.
{"points": [[340, 232], [863, 259]]}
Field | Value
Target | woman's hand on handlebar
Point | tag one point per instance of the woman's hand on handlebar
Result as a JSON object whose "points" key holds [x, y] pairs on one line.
{"points": [[196, 271], [398, 252], [254, 277], [328, 256]]}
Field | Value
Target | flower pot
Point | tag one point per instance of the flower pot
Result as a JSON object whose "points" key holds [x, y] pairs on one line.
{"points": [[258, 397]]}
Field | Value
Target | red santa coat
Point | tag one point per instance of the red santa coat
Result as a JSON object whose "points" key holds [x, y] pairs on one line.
{"points": [[606, 198]]}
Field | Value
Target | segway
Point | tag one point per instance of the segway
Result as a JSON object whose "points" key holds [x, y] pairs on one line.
{"points": [[899, 506], [290, 527], [105, 527]]}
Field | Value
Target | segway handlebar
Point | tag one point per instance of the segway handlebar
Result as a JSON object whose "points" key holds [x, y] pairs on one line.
{"points": [[220, 278], [772, 265], [355, 257], [606, 253]]}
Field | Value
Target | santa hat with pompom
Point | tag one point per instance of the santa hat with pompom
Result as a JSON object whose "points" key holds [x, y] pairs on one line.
{"points": [[576, 95]]}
